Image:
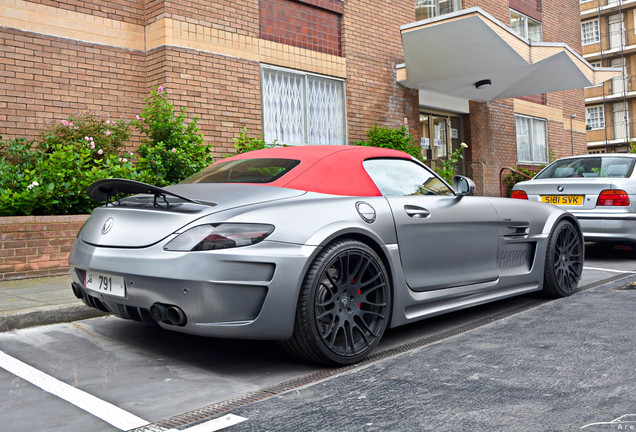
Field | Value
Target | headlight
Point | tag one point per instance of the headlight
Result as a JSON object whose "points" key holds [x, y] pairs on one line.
{"points": [[222, 236]]}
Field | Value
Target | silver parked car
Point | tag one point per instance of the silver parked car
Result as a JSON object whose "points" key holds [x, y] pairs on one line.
{"points": [[320, 247], [598, 189]]}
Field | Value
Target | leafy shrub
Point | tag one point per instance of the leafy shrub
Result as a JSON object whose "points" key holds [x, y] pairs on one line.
{"points": [[447, 168], [513, 178], [245, 143], [53, 180], [108, 135], [172, 149], [393, 138]]}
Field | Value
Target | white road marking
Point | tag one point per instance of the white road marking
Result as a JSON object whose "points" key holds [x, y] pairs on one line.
{"points": [[213, 425], [108, 412], [609, 270]]}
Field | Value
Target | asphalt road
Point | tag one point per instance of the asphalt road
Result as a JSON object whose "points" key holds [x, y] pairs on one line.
{"points": [[520, 364]]}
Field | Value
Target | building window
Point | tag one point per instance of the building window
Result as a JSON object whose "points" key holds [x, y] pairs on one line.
{"points": [[590, 33], [532, 140], [301, 108], [526, 26], [431, 8], [595, 117]]}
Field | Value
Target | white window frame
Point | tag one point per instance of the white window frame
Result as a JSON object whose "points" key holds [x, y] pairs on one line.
{"points": [[435, 3], [596, 32], [536, 156], [595, 117], [308, 127], [526, 19]]}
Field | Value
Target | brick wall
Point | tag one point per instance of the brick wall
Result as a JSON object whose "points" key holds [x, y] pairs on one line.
{"points": [[35, 246], [373, 48], [303, 25], [45, 78]]}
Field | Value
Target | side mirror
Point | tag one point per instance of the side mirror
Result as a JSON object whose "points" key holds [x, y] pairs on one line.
{"points": [[463, 185]]}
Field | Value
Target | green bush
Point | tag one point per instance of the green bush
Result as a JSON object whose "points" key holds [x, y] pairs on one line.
{"points": [[172, 148], [53, 180], [393, 138], [245, 143], [108, 135], [513, 178]]}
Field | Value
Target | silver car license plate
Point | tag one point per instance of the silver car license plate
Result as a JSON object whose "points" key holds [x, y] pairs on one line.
{"points": [[105, 284]]}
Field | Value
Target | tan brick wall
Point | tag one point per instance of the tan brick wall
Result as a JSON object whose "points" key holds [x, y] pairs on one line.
{"points": [[35, 246], [45, 78]]}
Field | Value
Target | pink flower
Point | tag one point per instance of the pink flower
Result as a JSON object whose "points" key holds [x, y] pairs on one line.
{"points": [[174, 150], [64, 122], [107, 133], [70, 124], [132, 154], [100, 151], [92, 145], [137, 117], [125, 160], [120, 159], [160, 90], [87, 138], [107, 121]]}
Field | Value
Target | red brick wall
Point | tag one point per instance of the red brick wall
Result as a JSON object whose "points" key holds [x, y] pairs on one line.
{"points": [[302, 25], [531, 8], [373, 48], [120, 10], [34, 246]]}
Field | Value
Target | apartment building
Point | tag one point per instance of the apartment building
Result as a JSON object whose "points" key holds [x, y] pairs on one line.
{"points": [[608, 33], [504, 76]]}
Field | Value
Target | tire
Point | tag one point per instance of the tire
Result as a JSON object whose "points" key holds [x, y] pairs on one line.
{"points": [[563, 261], [343, 306]]}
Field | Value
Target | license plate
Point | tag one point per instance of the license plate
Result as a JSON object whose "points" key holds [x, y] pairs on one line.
{"points": [[572, 200], [105, 284]]}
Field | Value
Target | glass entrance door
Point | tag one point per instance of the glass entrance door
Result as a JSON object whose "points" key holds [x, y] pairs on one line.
{"points": [[441, 135]]}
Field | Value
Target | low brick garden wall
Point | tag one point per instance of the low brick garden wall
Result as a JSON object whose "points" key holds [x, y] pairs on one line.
{"points": [[36, 246]]}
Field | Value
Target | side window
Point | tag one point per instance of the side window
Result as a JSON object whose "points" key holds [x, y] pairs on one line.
{"points": [[402, 177]]}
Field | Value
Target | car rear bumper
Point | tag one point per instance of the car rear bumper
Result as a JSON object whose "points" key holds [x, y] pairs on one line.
{"points": [[245, 292], [608, 227]]}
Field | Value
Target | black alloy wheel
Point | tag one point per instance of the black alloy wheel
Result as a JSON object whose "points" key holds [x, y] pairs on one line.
{"points": [[344, 305], [564, 260]]}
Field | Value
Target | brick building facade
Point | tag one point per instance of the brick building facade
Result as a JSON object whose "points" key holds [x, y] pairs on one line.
{"points": [[222, 59]]}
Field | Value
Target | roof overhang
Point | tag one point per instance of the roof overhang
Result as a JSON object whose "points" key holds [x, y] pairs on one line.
{"points": [[450, 54]]}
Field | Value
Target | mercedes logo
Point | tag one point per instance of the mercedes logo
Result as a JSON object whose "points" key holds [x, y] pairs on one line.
{"points": [[107, 225], [560, 188]]}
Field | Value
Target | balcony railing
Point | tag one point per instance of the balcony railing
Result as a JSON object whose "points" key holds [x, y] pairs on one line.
{"points": [[612, 40], [614, 131], [614, 88]]}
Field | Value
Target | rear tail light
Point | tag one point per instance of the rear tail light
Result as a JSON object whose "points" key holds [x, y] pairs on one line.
{"points": [[611, 197], [519, 194], [222, 236]]}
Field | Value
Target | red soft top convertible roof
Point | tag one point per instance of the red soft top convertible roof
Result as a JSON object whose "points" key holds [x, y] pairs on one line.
{"points": [[329, 169]]}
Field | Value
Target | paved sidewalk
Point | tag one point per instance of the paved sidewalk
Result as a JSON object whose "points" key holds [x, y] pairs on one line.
{"points": [[40, 301]]}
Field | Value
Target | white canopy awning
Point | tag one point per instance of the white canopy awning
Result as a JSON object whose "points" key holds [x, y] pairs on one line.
{"points": [[452, 53]]}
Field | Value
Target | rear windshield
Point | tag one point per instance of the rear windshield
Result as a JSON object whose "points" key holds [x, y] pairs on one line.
{"points": [[607, 166], [244, 171]]}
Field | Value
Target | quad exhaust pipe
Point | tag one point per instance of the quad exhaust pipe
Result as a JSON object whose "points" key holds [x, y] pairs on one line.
{"points": [[168, 314]]}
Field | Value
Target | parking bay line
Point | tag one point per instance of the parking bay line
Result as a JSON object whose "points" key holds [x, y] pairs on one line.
{"points": [[609, 270], [106, 411]]}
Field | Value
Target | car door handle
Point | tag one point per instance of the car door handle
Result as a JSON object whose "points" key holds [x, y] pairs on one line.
{"points": [[416, 212]]}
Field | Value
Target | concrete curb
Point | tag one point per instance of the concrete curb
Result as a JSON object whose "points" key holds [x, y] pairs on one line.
{"points": [[47, 315]]}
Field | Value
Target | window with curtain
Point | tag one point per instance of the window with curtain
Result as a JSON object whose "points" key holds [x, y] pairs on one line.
{"points": [[301, 108], [532, 140]]}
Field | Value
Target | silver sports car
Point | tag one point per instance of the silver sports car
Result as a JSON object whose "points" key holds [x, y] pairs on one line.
{"points": [[320, 247], [599, 189]]}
